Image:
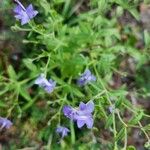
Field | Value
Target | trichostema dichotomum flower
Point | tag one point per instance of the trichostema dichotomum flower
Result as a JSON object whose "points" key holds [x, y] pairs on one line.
{"points": [[85, 78], [5, 123], [82, 115], [48, 85], [24, 14], [63, 131]]}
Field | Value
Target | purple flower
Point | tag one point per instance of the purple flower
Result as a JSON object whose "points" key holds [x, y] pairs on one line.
{"points": [[63, 131], [24, 14], [48, 85], [68, 112], [85, 78], [5, 123], [111, 108], [82, 115]]}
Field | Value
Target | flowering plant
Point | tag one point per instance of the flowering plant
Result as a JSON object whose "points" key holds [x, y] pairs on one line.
{"points": [[74, 75]]}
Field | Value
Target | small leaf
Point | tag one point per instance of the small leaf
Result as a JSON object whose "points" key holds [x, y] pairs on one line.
{"points": [[77, 92], [134, 13], [136, 118], [119, 102], [120, 135], [109, 121], [147, 127], [29, 64], [24, 93], [2, 104], [3, 91], [11, 72], [131, 148], [146, 38]]}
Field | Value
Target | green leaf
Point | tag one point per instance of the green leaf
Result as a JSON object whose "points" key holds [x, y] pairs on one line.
{"points": [[77, 92], [46, 6], [147, 145], [24, 93], [118, 102], [11, 73], [147, 127], [2, 104], [131, 148], [109, 121], [136, 118], [120, 135], [29, 64], [134, 13], [102, 5], [147, 38], [3, 91]]}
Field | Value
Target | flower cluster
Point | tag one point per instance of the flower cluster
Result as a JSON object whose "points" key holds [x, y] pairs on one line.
{"points": [[49, 85], [82, 115]]}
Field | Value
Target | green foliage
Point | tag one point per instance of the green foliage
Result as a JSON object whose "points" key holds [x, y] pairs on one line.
{"points": [[66, 38]]}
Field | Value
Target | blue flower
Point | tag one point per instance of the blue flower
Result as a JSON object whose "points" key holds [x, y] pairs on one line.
{"points": [[5, 123], [82, 115], [24, 14], [63, 131], [48, 85], [85, 78], [68, 112], [112, 108]]}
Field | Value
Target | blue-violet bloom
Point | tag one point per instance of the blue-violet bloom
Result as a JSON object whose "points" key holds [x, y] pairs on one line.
{"points": [[82, 115], [48, 85], [5, 123], [63, 131], [111, 108], [24, 14], [85, 78]]}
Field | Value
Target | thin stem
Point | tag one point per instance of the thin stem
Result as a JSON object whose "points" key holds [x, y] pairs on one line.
{"points": [[147, 136], [131, 109], [98, 95], [72, 132], [35, 30], [15, 102], [46, 67], [113, 113], [48, 147], [20, 4], [141, 127], [126, 140], [121, 119]]}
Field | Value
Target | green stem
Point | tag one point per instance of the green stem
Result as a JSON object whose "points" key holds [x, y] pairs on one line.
{"points": [[113, 113], [46, 67], [125, 141], [72, 132], [121, 119]]}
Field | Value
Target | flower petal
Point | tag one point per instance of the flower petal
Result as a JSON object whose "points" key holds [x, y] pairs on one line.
{"points": [[67, 110], [80, 123], [90, 106], [31, 12], [63, 131], [40, 80], [89, 123], [24, 19], [82, 106], [17, 9]]}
